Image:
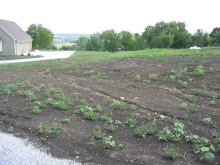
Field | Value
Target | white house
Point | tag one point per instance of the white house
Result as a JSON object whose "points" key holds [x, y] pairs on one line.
{"points": [[13, 40]]}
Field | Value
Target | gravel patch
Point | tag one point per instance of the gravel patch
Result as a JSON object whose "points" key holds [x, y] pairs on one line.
{"points": [[14, 151]]}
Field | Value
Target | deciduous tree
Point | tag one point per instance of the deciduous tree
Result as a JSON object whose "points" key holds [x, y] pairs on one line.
{"points": [[42, 37]]}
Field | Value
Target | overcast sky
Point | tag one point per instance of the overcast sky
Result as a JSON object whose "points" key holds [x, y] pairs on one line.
{"points": [[90, 16]]}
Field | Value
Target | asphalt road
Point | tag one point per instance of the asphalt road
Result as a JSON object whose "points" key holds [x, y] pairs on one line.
{"points": [[47, 55]]}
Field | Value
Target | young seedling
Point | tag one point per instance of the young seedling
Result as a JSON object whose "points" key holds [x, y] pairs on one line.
{"points": [[10, 130], [77, 152], [65, 120], [107, 141], [183, 105], [212, 102], [185, 116], [138, 77], [42, 127], [120, 146]]}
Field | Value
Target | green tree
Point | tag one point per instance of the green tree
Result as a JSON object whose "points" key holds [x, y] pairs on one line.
{"points": [[200, 38], [174, 30], [127, 41], [42, 37], [139, 42], [111, 40], [148, 35], [94, 43], [162, 41], [81, 42], [217, 37], [182, 40]]}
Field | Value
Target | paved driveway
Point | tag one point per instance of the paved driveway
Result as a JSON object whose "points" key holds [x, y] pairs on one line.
{"points": [[47, 56]]}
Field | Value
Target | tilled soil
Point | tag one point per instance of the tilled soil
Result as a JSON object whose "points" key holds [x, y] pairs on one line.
{"points": [[127, 81]]}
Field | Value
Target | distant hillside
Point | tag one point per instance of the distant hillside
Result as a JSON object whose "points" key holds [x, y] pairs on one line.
{"points": [[67, 37]]}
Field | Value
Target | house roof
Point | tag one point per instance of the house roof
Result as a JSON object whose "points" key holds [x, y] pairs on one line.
{"points": [[15, 31]]}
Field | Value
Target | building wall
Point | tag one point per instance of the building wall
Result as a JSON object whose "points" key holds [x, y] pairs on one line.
{"points": [[7, 43]]}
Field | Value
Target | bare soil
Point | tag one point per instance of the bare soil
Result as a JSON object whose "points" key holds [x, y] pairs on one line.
{"points": [[123, 80]]}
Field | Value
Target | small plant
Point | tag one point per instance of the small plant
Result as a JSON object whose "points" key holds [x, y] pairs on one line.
{"points": [[188, 97], [76, 111], [88, 158], [183, 105], [10, 130], [193, 108], [77, 152], [209, 156], [185, 115], [138, 77], [164, 135], [185, 84], [115, 105], [131, 120], [107, 141], [171, 152], [40, 104], [120, 146], [197, 91], [92, 140], [65, 120], [153, 77], [106, 117], [36, 110], [203, 86], [110, 126], [149, 117], [42, 127], [199, 71], [150, 128], [56, 128], [90, 115], [215, 96], [133, 107], [190, 80], [43, 139], [212, 102], [207, 120], [179, 82], [98, 133], [172, 78]]}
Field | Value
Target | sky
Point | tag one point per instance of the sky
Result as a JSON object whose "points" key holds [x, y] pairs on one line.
{"points": [[91, 16]]}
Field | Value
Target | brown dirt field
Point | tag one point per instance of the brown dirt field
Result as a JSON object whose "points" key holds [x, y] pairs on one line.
{"points": [[117, 78]]}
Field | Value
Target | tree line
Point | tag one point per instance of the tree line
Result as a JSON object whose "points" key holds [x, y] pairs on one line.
{"points": [[161, 35]]}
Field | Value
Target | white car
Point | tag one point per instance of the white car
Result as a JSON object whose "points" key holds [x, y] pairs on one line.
{"points": [[194, 47]]}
